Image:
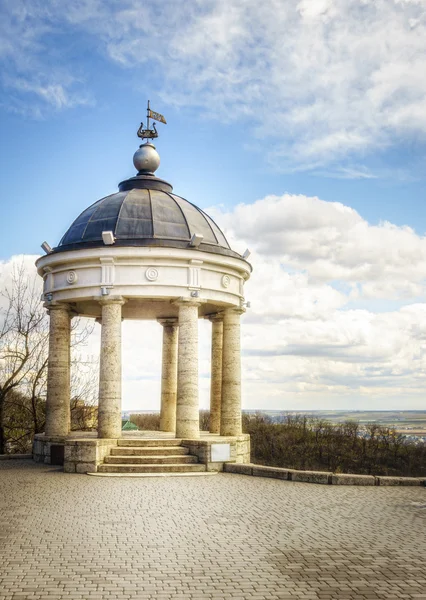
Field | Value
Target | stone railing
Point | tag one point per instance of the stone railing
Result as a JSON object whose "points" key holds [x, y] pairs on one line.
{"points": [[323, 477]]}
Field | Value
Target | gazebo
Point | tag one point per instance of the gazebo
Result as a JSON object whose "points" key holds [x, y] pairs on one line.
{"points": [[146, 253]]}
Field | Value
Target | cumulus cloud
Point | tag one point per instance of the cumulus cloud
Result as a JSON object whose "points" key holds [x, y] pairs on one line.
{"points": [[319, 332], [331, 242], [325, 82], [353, 359]]}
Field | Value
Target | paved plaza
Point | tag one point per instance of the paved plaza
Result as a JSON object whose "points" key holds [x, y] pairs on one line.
{"points": [[223, 536]]}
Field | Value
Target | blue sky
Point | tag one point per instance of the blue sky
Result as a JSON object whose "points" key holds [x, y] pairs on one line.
{"points": [[312, 103]]}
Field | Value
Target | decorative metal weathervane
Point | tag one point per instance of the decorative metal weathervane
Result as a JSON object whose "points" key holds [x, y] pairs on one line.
{"points": [[150, 134]]}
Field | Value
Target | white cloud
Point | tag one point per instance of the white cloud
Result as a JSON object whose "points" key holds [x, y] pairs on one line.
{"points": [[35, 75], [333, 79], [330, 242], [321, 82], [306, 344], [8, 271], [57, 95], [354, 359]]}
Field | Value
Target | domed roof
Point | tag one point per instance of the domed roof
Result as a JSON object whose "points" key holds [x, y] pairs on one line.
{"points": [[145, 212]]}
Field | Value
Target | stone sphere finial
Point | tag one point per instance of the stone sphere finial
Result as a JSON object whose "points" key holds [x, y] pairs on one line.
{"points": [[146, 159]]}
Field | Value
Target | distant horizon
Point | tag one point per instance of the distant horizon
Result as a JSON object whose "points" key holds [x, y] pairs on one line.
{"points": [[294, 410]]}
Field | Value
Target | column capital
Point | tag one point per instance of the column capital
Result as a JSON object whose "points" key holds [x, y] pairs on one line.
{"points": [[237, 310], [215, 317], [187, 302], [168, 321], [112, 300], [51, 306]]}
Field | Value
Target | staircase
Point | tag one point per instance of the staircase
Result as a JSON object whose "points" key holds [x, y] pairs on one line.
{"points": [[150, 456]]}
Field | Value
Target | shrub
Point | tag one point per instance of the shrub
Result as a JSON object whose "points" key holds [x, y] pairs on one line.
{"points": [[301, 442], [148, 421]]}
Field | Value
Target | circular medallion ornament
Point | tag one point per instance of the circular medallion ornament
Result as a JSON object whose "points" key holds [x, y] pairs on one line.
{"points": [[226, 280], [72, 277], [151, 274]]}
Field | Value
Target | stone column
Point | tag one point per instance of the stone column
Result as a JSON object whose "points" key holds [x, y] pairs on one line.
{"points": [[230, 420], [58, 411], [216, 373], [169, 375], [187, 409], [109, 408]]}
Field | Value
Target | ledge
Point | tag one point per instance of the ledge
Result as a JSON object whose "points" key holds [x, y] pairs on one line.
{"points": [[91, 441], [15, 456], [322, 477]]}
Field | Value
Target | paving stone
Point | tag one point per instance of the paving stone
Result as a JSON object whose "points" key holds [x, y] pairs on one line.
{"points": [[233, 537]]}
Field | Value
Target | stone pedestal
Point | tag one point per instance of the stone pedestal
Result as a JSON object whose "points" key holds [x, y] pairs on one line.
{"points": [[58, 375], [169, 375], [109, 410], [82, 452], [216, 373], [230, 421], [187, 409]]}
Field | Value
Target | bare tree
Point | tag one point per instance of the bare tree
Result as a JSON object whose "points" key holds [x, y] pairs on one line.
{"points": [[23, 336], [24, 341], [204, 420], [84, 393]]}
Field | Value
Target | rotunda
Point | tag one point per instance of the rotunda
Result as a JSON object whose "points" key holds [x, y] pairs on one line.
{"points": [[146, 253]]}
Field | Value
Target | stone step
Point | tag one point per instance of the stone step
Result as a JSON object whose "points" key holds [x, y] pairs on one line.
{"points": [[186, 474], [132, 468], [150, 451], [138, 443], [153, 460]]}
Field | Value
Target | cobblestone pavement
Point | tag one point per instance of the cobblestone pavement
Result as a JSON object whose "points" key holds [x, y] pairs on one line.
{"points": [[229, 536]]}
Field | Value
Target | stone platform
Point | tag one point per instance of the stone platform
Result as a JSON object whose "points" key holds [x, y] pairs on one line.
{"points": [[225, 537], [84, 452]]}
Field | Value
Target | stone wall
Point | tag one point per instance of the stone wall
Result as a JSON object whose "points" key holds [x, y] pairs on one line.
{"points": [[84, 456], [215, 454], [42, 447], [80, 455]]}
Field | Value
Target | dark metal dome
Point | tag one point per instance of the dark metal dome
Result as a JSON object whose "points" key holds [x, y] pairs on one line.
{"points": [[145, 212]]}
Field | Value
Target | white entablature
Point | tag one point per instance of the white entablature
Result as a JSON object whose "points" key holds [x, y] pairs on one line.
{"points": [[149, 278]]}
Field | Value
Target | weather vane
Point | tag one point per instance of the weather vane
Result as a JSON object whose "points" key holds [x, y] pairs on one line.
{"points": [[150, 134]]}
